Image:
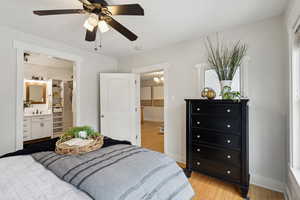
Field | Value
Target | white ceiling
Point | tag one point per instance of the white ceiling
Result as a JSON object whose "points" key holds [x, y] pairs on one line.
{"points": [[165, 21]]}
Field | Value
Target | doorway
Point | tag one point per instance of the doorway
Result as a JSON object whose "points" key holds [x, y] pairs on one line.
{"points": [[152, 110], [47, 98], [22, 50]]}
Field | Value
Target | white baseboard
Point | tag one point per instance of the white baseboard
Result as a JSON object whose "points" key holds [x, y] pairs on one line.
{"points": [[268, 183], [293, 188], [178, 158], [287, 194]]}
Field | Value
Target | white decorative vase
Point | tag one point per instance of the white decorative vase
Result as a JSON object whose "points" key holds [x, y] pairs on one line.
{"points": [[224, 83]]}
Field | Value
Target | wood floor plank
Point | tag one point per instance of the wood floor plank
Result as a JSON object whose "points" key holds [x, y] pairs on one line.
{"points": [[206, 188]]}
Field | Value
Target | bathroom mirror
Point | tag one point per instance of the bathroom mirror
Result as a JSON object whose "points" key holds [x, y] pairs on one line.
{"points": [[36, 93]]}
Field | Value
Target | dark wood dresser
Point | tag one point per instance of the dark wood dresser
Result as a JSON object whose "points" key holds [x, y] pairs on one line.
{"points": [[217, 140]]}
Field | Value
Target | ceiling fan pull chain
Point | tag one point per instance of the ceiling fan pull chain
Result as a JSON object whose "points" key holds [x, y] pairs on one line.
{"points": [[96, 46], [100, 39]]}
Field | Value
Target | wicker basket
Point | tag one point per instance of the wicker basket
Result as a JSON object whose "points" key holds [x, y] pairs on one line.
{"points": [[62, 148]]}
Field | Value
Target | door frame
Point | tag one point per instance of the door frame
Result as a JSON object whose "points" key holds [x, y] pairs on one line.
{"points": [[159, 67], [21, 48]]}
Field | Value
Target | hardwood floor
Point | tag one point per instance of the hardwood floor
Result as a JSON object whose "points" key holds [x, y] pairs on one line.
{"points": [[206, 188], [151, 137]]}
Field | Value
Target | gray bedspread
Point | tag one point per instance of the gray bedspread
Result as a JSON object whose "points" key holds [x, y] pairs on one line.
{"points": [[121, 172]]}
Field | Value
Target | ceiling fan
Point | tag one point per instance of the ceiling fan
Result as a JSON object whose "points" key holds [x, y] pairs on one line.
{"points": [[100, 17]]}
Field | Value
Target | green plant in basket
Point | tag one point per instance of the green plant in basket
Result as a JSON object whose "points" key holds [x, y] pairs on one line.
{"points": [[84, 132]]}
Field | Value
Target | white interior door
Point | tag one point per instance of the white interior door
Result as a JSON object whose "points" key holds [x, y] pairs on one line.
{"points": [[120, 106]]}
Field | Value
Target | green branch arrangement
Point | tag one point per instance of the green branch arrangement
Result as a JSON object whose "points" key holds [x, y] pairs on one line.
{"points": [[227, 94], [224, 60]]}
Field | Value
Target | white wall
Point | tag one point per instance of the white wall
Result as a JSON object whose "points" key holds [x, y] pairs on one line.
{"points": [[292, 14], [91, 65], [267, 93]]}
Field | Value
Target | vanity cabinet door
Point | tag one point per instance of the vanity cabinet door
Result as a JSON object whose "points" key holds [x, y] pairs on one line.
{"points": [[48, 129], [37, 129]]}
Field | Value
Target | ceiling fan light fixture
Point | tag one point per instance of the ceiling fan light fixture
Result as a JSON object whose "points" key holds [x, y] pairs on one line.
{"points": [[103, 26], [91, 22], [93, 19], [88, 26], [156, 79]]}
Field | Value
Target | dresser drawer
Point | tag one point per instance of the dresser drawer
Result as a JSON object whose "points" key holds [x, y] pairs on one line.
{"points": [[26, 138], [215, 109], [228, 141], [217, 123], [216, 169], [26, 125], [26, 134], [26, 120], [223, 155]]}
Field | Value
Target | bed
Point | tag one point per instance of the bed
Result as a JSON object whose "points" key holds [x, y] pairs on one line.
{"points": [[118, 171]]}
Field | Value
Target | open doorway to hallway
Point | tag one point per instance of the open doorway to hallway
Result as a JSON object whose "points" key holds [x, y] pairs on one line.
{"points": [[152, 110]]}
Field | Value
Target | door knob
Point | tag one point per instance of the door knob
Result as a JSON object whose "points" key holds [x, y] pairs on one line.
{"points": [[102, 116]]}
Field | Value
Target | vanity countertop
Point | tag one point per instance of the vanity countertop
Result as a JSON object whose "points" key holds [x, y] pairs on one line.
{"points": [[36, 115]]}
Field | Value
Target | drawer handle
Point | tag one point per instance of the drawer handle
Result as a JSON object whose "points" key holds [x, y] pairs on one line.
{"points": [[198, 136], [198, 109], [228, 172], [229, 156], [198, 122], [198, 163], [228, 141], [228, 126], [228, 110], [198, 150]]}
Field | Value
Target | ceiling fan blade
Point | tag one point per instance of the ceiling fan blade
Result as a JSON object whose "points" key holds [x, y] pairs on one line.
{"points": [[102, 2], [91, 36], [127, 9], [58, 12], [121, 29], [86, 2]]}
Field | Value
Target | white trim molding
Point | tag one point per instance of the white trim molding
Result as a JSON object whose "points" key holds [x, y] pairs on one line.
{"points": [[293, 185], [165, 67], [21, 48], [268, 183]]}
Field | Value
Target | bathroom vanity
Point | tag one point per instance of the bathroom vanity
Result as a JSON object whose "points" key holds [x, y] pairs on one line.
{"points": [[37, 126]]}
